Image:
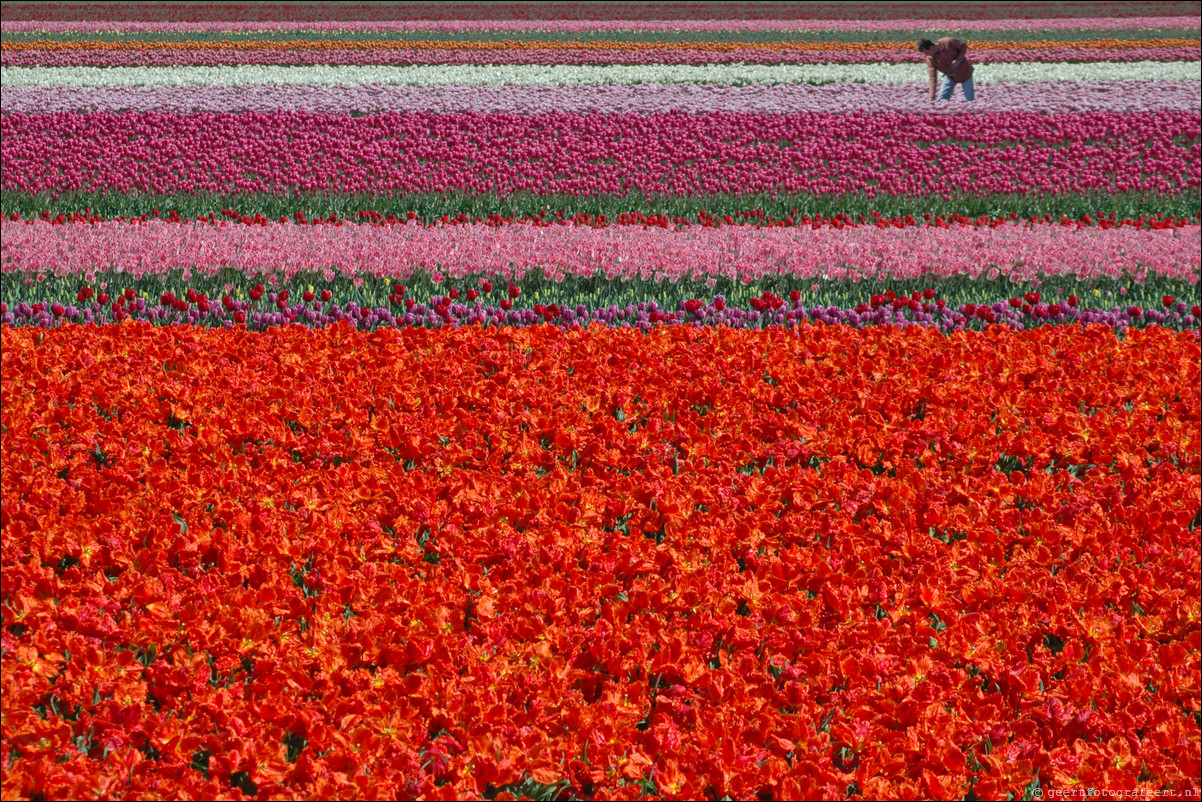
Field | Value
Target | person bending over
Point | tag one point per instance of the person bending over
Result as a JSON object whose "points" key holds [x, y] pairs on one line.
{"points": [[950, 57]]}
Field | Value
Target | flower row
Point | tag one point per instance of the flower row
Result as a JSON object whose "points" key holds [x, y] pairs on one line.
{"points": [[1018, 251], [550, 57], [497, 39], [568, 74], [676, 154], [327, 564], [658, 44], [266, 309], [1050, 97], [544, 218], [423, 12], [954, 26]]}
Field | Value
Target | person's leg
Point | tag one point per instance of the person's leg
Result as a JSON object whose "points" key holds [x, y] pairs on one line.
{"points": [[946, 85], [967, 85]]}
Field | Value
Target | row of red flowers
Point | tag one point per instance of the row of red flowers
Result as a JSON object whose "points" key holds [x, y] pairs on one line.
{"points": [[753, 217], [696, 563], [876, 155], [397, 297]]}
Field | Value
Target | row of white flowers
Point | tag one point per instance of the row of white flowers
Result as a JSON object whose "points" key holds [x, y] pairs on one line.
{"points": [[1038, 97], [497, 75]]}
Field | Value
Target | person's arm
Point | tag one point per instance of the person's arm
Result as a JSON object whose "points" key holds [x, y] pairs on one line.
{"points": [[931, 77], [961, 51]]}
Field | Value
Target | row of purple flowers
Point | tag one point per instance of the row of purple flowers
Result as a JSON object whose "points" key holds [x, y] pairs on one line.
{"points": [[765, 311]]}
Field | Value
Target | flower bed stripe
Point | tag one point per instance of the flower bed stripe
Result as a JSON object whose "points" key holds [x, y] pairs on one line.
{"points": [[762, 309], [821, 45], [586, 37], [953, 26], [1018, 251], [498, 75], [260, 12], [1059, 97], [644, 545], [659, 56], [880, 154]]}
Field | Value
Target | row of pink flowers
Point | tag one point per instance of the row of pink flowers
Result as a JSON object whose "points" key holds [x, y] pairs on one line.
{"points": [[678, 154], [219, 56], [1052, 24], [1017, 250], [1052, 97]]}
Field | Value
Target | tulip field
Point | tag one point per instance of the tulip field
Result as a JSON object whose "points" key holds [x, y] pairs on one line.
{"points": [[600, 401]]}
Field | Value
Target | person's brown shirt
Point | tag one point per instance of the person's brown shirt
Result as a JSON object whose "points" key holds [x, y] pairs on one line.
{"points": [[948, 50]]}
